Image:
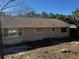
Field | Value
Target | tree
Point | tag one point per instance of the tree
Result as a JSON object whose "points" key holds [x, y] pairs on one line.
{"points": [[51, 15], [61, 17], [44, 14], [69, 19], [31, 14], [2, 8], [75, 15], [23, 11], [16, 8]]}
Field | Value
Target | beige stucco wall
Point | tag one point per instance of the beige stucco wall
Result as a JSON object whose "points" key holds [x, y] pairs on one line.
{"points": [[12, 40], [29, 34]]}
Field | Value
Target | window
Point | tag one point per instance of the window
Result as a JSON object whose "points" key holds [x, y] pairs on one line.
{"points": [[38, 30], [63, 29], [12, 32], [53, 29], [5, 32], [20, 32]]}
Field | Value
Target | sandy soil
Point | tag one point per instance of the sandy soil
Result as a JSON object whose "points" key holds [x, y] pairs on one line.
{"points": [[61, 51]]}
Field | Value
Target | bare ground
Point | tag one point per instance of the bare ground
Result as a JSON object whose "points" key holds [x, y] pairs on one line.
{"points": [[61, 51]]}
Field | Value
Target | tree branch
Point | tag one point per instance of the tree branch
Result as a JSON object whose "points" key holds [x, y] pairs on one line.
{"points": [[13, 5]]}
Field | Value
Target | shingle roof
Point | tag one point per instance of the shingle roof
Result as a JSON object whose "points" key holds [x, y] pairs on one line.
{"points": [[16, 21]]}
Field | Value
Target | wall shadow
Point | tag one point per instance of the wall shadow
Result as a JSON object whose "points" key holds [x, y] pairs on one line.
{"points": [[26, 46]]}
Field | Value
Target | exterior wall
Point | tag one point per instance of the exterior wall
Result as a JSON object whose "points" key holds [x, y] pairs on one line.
{"points": [[12, 40], [30, 35], [62, 34]]}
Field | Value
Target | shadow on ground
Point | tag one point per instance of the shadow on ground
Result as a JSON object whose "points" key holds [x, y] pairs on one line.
{"points": [[25, 46]]}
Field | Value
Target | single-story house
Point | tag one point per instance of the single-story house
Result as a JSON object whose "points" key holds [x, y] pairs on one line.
{"points": [[17, 29]]}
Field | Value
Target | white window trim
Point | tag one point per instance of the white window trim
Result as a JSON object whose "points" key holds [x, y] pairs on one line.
{"points": [[12, 36], [38, 32]]}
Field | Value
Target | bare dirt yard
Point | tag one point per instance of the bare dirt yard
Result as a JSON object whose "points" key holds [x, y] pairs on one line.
{"points": [[66, 50]]}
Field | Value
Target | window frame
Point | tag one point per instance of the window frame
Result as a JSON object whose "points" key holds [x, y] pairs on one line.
{"points": [[17, 29], [52, 28], [35, 30], [65, 29]]}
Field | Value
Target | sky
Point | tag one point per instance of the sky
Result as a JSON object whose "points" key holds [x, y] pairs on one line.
{"points": [[55, 6], [64, 7]]}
